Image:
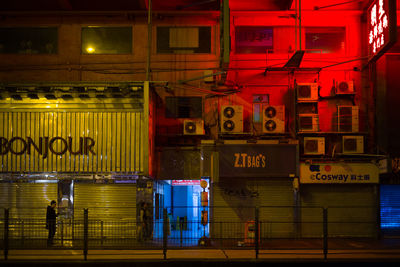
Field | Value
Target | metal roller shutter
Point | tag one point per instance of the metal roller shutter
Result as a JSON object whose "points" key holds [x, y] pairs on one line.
{"points": [[234, 202], [390, 209], [106, 202], [352, 210], [27, 201]]}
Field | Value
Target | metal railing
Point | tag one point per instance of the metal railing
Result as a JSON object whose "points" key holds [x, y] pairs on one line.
{"points": [[317, 225]]}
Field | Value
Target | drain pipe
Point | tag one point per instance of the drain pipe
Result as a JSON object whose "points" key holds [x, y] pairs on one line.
{"points": [[149, 40]]}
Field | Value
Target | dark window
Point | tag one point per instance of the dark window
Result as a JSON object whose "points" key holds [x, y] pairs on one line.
{"points": [[39, 40], [183, 107], [396, 47], [106, 40], [183, 40], [325, 39], [253, 40]]}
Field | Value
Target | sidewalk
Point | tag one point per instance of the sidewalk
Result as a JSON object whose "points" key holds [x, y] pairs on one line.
{"points": [[271, 250]]}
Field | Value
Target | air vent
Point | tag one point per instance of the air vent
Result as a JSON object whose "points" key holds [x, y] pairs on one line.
{"points": [[348, 119], [308, 123], [193, 127], [273, 119], [353, 144], [314, 145], [307, 92], [344, 87], [231, 119]]}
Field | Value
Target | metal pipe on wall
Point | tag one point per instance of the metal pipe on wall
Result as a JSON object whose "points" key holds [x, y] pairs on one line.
{"points": [[149, 40]]}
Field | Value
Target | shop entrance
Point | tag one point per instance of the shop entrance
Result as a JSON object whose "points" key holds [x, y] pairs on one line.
{"points": [[187, 206]]}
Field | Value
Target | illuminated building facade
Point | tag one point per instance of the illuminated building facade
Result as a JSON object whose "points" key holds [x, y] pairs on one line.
{"points": [[273, 104]]}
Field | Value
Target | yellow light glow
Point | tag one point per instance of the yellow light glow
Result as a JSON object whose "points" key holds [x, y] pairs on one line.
{"points": [[90, 49]]}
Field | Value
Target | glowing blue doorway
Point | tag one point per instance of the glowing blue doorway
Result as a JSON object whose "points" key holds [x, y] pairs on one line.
{"points": [[187, 207]]}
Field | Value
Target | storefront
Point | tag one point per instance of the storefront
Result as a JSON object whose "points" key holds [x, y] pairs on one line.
{"points": [[349, 191], [83, 152], [182, 193], [255, 175]]}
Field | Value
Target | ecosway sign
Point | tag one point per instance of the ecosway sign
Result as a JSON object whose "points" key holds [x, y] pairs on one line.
{"points": [[339, 173]]}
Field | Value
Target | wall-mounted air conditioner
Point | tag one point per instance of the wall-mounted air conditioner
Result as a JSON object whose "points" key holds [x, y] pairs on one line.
{"points": [[307, 92], [314, 145], [308, 123], [348, 119], [231, 119], [193, 127], [352, 144], [273, 119], [344, 88]]}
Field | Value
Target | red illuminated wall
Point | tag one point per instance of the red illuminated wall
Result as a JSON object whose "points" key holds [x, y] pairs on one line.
{"points": [[247, 69]]}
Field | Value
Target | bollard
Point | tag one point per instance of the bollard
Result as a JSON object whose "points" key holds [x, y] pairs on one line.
{"points": [[257, 234], [165, 233], [62, 232], [6, 227], [101, 231], [181, 232], [23, 232], [85, 232], [325, 229]]}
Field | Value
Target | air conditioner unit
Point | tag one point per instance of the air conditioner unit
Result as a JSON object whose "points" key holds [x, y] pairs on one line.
{"points": [[193, 127], [307, 92], [308, 123], [344, 88], [273, 119], [314, 145], [348, 119], [231, 119], [352, 144]]}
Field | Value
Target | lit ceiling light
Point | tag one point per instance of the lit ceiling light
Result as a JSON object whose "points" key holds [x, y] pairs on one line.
{"points": [[90, 49]]}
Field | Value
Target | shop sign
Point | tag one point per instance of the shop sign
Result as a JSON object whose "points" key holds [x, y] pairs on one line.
{"points": [[258, 160], [381, 25], [56, 145], [339, 173], [185, 182]]}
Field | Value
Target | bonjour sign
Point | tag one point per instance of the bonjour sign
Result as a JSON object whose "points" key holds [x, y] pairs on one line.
{"points": [[45, 145]]}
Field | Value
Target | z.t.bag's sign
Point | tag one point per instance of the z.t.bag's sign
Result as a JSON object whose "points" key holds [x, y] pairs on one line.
{"points": [[258, 160]]}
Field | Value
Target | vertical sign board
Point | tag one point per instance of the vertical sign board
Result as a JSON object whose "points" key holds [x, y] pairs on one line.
{"points": [[381, 26]]}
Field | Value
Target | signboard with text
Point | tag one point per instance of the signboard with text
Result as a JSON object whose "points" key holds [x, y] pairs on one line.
{"points": [[185, 182], [381, 26], [339, 173], [258, 160]]}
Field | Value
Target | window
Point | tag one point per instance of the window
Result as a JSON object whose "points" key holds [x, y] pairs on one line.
{"points": [[106, 40], [325, 39], [34, 40], [253, 40], [183, 40], [183, 107]]}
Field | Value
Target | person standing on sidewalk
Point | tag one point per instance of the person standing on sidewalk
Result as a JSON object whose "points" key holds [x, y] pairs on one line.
{"points": [[51, 217]]}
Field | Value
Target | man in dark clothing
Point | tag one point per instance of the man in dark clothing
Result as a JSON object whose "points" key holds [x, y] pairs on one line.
{"points": [[51, 221]]}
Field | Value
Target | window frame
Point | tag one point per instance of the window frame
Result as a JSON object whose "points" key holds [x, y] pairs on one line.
{"points": [[204, 30], [109, 27]]}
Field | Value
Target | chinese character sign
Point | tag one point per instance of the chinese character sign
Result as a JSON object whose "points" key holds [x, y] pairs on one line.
{"points": [[380, 26]]}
